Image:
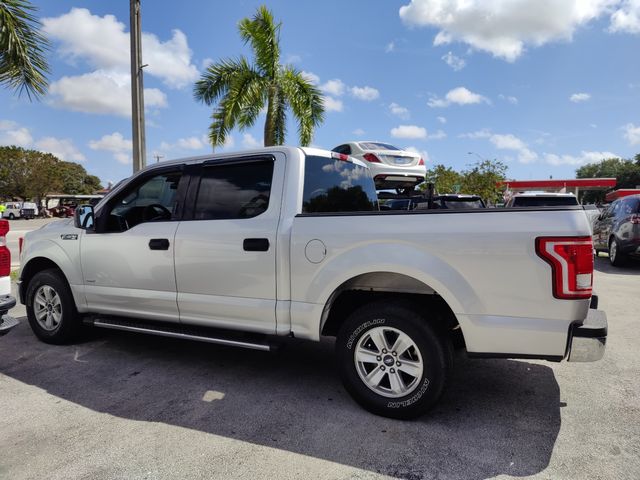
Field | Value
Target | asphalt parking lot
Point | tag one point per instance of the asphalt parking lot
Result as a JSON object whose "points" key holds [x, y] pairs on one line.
{"points": [[125, 406]]}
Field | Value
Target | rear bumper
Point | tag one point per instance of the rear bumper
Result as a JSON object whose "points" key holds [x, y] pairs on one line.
{"points": [[587, 341], [7, 302]]}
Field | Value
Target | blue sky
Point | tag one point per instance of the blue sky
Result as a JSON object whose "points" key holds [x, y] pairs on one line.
{"points": [[544, 85]]}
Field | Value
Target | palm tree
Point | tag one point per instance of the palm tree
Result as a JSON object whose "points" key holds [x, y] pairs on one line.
{"points": [[23, 66], [241, 89]]}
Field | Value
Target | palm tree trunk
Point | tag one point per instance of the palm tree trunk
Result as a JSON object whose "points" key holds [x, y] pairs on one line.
{"points": [[269, 124]]}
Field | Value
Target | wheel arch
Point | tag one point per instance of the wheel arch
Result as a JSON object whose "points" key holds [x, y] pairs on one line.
{"points": [[373, 286], [32, 267]]}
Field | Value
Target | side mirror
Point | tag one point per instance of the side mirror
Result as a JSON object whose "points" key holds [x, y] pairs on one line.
{"points": [[83, 217]]}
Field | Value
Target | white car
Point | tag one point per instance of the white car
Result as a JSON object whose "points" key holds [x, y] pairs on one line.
{"points": [[391, 167], [534, 199]]}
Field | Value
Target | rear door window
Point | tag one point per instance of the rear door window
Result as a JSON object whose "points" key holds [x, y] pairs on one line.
{"points": [[234, 191]]}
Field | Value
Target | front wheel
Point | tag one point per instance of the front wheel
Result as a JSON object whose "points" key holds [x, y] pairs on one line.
{"points": [[51, 310], [392, 362]]}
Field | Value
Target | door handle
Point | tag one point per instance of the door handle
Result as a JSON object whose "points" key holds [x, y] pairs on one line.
{"points": [[255, 244], [159, 244]]}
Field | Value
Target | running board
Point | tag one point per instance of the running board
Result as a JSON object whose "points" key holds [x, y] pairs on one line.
{"points": [[232, 339]]}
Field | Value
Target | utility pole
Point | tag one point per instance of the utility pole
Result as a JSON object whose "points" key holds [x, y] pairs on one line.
{"points": [[158, 157], [137, 87]]}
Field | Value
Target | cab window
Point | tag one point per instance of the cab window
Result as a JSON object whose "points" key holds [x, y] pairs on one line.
{"points": [[153, 200]]}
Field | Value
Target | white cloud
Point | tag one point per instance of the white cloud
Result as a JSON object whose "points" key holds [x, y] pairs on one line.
{"points": [[505, 28], [505, 141], [508, 98], [101, 92], [103, 43], [311, 77], [439, 135], [511, 142], [579, 97], [442, 120], [335, 87], [409, 131], [399, 111], [13, 134], [204, 64], [115, 143], [459, 96], [582, 159], [293, 58], [63, 148], [454, 62], [391, 46], [359, 132], [249, 141], [365, 93], [191, 143], [626, 18], [484, 133], [332, 104], [423, 153], [632, 133]]}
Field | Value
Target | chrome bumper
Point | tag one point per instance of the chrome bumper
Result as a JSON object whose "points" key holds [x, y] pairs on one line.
{"points": [[587, 341]]}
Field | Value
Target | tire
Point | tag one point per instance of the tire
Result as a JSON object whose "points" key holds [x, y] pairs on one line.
{"points": [[417, 389], [616, 257], [12, 216], [48, 292]]}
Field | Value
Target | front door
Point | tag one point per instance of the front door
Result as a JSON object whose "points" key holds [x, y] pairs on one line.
{"points": [[127, 263], [226, 246]]}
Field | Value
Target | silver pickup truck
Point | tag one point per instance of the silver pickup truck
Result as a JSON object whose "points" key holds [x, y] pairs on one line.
{"points": [[239, 249]]}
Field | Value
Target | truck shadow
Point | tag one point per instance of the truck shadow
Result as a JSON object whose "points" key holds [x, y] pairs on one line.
{"points": [[602, 264], [497, 416]]}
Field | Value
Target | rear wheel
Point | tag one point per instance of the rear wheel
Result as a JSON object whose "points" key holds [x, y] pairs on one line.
{"points": [[12, 216], [392, 362], [616, 257], [51, 310]]}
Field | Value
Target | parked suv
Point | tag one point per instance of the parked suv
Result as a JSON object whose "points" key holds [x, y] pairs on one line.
{"points": [[617, 230], [20, 210]]}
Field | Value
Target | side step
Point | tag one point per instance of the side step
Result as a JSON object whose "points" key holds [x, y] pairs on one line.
{"points": [[200, 334]]}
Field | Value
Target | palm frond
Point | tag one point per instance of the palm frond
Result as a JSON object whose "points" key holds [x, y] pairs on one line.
{"points": [[23, 66], [243, 89], [305, 101], [216, 80], [263, 34]]}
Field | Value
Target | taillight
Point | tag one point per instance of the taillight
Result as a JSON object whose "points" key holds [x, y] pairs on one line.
{"points": [[340, 156], [421, 162], [370, 157], [635, 219], [5, 254], [20, 243], [571, 260]]}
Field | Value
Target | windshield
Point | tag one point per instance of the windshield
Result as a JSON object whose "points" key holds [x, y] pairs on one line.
{"points": [[457, 204], [332, 186], [377, 146]]}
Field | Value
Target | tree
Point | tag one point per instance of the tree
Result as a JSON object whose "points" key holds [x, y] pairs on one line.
{"points": [[23, 66], [482, 179], [445, 179], [241, 90], [30, 174], [626, 173]]}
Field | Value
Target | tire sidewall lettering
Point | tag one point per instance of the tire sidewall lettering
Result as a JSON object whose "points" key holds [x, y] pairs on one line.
{"points": [[413, 399], [365, 326]]}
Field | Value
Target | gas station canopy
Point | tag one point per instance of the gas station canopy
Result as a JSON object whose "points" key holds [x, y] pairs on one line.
{"points": [[573, 185]]}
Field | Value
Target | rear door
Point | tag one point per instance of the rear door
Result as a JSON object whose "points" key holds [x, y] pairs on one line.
{"points": [[226, 244]]}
